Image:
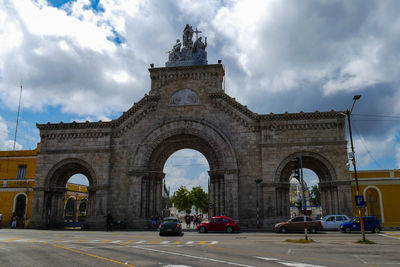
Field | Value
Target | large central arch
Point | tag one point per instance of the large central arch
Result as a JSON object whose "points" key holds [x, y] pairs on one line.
{"points": [[154, 150]]}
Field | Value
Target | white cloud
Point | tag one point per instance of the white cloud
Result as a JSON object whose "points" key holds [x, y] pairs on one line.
{"points": [[279, 55], [5, 142]]}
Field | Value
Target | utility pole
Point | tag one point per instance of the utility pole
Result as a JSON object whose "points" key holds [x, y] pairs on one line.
{"points": [[16, 126], [303, 198], [353, 160]]}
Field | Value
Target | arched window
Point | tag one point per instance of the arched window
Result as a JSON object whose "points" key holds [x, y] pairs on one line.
{"points": [[373, 203], [70, 207], [20, 206], [83, 207]]}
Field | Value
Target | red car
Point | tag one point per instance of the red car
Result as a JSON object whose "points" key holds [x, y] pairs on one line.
{"points": [[219, 223]]}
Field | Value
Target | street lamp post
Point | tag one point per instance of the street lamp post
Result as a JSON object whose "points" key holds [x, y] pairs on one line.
{"points": [[258, 181], [353, 160]]}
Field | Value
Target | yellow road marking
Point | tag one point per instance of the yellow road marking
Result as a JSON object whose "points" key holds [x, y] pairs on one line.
{"points": [[58, 240], [152, 242], [94, 256], [11, 239], [127, 242], [177, 242], [105, 241], [202, 242]]}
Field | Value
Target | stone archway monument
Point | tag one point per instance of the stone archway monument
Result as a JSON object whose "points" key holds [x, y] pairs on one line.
{"points": [[187, 107]]}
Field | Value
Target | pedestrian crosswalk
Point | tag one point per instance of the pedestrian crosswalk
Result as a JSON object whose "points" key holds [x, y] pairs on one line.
{"points": [[131, 242]]}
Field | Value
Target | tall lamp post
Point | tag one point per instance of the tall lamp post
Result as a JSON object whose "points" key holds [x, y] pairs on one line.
{"points": [[258, 181], [353, 160]]}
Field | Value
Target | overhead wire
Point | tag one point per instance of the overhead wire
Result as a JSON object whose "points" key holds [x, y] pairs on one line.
{"points": [[365, 146]]}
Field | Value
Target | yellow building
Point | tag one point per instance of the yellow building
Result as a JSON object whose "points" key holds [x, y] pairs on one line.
{"points": [[17, 179], [381, 191]]}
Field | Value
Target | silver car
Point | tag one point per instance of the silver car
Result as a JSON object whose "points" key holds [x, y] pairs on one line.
{"points": [[333, 222]]}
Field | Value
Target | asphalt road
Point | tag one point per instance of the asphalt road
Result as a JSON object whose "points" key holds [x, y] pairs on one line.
{"points": [[21, 247]]}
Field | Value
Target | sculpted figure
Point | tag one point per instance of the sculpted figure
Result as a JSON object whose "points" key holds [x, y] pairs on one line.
{"points": [[199, 45], [174, 54], [187, 36]]}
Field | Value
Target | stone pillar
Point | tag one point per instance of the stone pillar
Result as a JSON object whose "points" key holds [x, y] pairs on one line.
{"points": [[38, 209], [98, 196], [269, 205], [231, 195], [133, 212], [345, 198]]}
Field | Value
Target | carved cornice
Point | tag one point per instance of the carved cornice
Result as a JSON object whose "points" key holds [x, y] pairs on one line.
{"points": [[302, 116], [218, 104], [208, 74], [302, 126], [76, 135], [150, 101], [136, 106], [74, 125]]}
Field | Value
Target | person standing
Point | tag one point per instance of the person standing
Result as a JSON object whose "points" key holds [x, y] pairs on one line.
{"points": [[14, 220], [187, 220], [109, 220]]}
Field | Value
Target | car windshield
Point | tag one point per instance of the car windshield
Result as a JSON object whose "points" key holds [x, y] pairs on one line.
{"points": [[325, 218], [173, 220]]}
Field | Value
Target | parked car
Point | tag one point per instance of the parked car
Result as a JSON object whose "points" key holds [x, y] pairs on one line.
{"points": [[371, 223], [333, 222], [219, 223], [170, 226], [296, 224]]}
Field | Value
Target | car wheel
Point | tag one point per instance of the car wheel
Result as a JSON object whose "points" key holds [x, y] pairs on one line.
{"points": [[313, 230], [202, 229], [376, 230], [229, 229], [283, 229], [347, 230]]}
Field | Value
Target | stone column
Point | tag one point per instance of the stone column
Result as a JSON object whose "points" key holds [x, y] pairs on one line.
{"points": [[133, 212], [345, 198], [38, 219], [269, 206], [98, 196]]}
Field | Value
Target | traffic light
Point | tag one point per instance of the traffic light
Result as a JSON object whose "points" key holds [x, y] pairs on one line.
{"points": [[296, 168]]}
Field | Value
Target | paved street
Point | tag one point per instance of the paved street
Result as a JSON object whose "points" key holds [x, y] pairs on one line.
{"points": [[22, 247]]}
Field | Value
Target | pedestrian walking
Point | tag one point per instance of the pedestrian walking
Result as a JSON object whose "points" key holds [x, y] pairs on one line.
{"points": [[109, 220], [187, 220], [14, 220], [154, 222]]}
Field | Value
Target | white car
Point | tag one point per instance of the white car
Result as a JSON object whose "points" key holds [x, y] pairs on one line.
{"points": [[333, 222]]}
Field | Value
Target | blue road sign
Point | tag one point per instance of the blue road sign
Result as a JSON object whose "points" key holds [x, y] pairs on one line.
{"points": [[360, 202]]}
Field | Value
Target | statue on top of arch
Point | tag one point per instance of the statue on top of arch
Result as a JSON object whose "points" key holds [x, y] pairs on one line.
{"points": [[191, 53]]}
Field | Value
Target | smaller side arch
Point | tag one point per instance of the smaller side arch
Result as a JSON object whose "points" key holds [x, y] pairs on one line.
{"points": [[380, 199], [325, 169], [71, 166]]}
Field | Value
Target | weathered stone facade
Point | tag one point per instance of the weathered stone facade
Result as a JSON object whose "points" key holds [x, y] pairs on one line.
{"points": [[124, 158]]}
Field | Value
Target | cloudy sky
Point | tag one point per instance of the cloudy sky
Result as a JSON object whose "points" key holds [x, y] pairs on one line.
{"points": [[87, 60]]}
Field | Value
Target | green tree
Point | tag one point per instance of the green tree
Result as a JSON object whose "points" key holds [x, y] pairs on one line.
{"points": [[182, 199], [315, 196], [200, 199]]}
